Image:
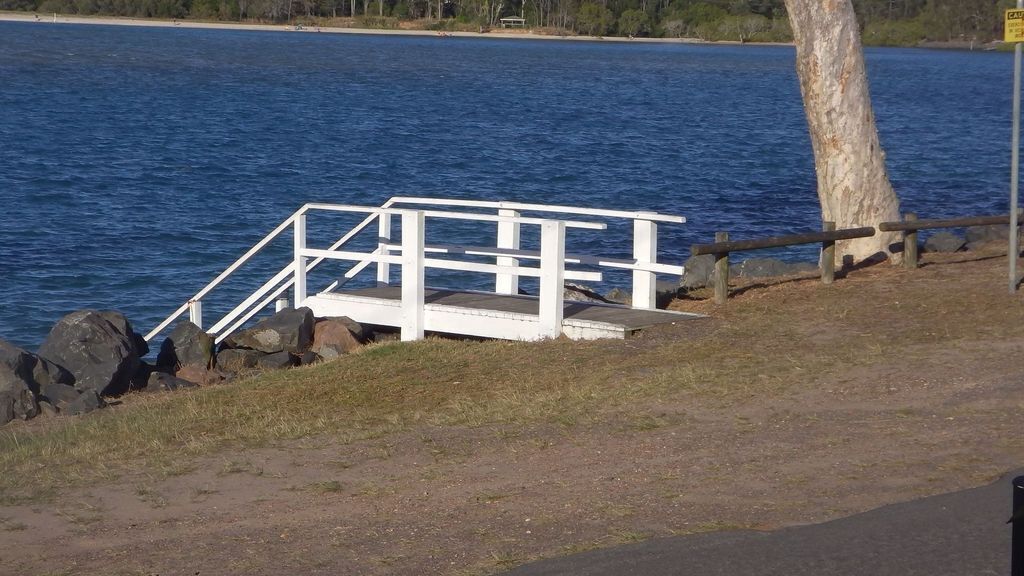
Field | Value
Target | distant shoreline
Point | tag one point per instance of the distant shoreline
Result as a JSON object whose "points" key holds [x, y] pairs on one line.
{"points": [[494, 34]]}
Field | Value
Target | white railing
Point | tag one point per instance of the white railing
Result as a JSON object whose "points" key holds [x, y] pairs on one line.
{"points": [[411, 253]]}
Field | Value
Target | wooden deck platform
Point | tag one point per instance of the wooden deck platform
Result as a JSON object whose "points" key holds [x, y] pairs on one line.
{"points": [[489, 315]]}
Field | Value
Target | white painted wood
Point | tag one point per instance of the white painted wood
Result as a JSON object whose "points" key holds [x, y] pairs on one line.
{"points": [[280, 304], [550, 208], [383, 240], [552, 278], [620, 263], [645, 251], [195, 312], [413, 279], [299, 286], [508, 238]]}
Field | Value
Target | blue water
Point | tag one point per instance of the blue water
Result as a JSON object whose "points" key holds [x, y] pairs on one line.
{"points": [[137, 163]]}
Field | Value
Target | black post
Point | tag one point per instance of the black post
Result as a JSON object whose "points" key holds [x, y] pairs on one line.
{"points": [[1017, 519]]}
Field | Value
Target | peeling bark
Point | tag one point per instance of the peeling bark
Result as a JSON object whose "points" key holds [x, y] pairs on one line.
{"points": [[853, 185]]}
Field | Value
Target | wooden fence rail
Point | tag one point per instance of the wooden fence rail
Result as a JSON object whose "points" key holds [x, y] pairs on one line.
{"points": [[827, 237], [910, 225]]}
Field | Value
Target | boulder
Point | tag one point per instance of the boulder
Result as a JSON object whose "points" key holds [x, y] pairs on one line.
{"points": [[290, 330], [167, 382], [276, 361], [335, 337], [944, 242], [17, 399], [187, 345], [199, 375], [308, 358], [59, 395], [238, 359], [619, 296], [697, 271], [769, 267], [87, 401], [578, 293], [985, 234], [99, 349]]}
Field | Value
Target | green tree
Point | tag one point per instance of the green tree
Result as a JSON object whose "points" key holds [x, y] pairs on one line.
{"points": [[634, 23], [594, 19]]}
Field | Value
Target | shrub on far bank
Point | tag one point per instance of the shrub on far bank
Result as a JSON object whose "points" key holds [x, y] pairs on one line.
{"points": [[894, 33]]}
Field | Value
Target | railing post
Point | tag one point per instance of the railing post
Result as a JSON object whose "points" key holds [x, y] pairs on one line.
{"points": [[413, 279], [828, 255], [552, 278], [645, 251], [300, 261], [281, 303], [721, 270], [1017, 528], [383, 239], [508, 237], [910, 243], [195, 312]]}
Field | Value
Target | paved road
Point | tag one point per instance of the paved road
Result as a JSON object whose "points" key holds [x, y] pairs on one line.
{"points": [[962, 533]]}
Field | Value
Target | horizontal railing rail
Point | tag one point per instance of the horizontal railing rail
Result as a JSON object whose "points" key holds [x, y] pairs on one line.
{"points": [[827, 237], [910, 225]]}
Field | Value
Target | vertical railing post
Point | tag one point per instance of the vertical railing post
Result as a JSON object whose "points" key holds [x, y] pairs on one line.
{"points": [[910, 243], [645, 251], [413, 277], [828, 255], [195, 312], [1017, 520], [508, 237], [721, 270], [281, 303], [383, 240], [300, 260], [552, 278]]}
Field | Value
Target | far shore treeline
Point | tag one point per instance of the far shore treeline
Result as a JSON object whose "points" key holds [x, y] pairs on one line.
{"points": [[955, 23]]}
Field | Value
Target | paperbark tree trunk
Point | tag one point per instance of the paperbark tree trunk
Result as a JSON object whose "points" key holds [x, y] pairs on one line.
{"points": [[853, 185]]}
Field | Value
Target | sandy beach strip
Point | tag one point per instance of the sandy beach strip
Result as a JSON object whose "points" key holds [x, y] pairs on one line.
{"points": [[502, 34]]}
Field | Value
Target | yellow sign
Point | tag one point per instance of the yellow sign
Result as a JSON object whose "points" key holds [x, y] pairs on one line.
{"points": [[1013, 26]]}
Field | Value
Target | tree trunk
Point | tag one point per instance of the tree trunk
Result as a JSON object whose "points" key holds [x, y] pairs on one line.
{"points": [[853, 185]]}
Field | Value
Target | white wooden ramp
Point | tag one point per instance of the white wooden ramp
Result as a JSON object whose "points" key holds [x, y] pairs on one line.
{"points": [[407, 304]]}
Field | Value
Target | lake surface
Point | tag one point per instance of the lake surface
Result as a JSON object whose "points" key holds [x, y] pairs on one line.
{"points": [[139, 162]]}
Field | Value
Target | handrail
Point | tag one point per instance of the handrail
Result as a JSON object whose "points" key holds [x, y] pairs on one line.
{"points": [[552, 208]]}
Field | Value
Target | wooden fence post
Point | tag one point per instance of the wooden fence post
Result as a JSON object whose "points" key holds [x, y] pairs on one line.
{"points": [[721, 270], [910, 243], [828, 255]]}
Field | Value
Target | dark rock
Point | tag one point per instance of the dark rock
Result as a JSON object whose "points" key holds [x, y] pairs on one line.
{"points": [[47, 409], [140, 379], [334, 337], [276, 361], [697, 271], [944, 242], [121, 323], [100, 353], [187, 345], [769, 267], [308, 358], [164, 381], [19, 363], [236, 359], [199, 375], [87, 401], [619, 296], [664, 293], [578, 293], [985, 234], [290, 330], [59, 395], [17, 400]]}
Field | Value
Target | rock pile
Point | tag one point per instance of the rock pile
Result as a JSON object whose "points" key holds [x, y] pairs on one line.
{"points": [[91, 354]]}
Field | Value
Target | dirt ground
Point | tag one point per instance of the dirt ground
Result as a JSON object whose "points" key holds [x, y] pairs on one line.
{"points": [[848, 436]]}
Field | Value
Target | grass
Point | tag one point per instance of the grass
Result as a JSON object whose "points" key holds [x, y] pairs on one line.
{"points": [[765, 342]]}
